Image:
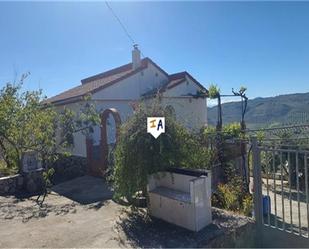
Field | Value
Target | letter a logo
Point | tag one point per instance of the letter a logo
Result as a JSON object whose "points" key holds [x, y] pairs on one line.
{"points": [[156, 126]]}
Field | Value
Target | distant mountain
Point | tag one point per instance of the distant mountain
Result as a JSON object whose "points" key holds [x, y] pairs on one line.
{"points": [[262, 112]]}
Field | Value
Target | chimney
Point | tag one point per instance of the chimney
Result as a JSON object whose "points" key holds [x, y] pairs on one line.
{"points": [[136, 57]]}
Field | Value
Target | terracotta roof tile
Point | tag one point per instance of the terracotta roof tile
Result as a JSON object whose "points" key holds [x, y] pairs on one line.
{"points": [[180, 75], [174, 79], [98, 82], [108, 78]]}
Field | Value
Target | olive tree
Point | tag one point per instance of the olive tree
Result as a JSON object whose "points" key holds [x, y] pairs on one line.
{"points": [[28, 123]]}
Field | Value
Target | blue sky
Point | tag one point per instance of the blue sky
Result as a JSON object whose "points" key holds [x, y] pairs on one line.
{"points": [[262, 45]]}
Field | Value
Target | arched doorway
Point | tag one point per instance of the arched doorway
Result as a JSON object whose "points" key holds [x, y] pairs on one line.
{"points": [[97, 156]]}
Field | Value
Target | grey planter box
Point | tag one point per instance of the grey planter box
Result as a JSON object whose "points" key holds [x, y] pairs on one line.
{"points": [[181, 197]]}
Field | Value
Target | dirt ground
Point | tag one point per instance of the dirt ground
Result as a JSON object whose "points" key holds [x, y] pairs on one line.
{"points": [[80, 213], [71, 216]]}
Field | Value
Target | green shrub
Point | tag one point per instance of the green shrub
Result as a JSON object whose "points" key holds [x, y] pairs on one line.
{"points": [[229, 197], [138, 154], [213, 91], [247, 205], [232, 130], [233, 197], [47, 175], [29, 123], [6, 171]]}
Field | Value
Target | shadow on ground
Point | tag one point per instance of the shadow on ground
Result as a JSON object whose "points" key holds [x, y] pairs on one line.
{"points": [[142, 231], [287, 195], [85, 190], [90, 192], [277, 222]]}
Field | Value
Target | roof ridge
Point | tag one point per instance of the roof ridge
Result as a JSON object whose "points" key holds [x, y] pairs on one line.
{"points": [[93, 87], [177, 75], [123, 68], [110, 77]]}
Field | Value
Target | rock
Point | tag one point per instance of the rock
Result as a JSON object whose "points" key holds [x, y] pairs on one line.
{"points": [[20, 181], [6, 188], [31, 186], [11, 189], [8, 184], [33, 181], [42, 214], [8, 217]]}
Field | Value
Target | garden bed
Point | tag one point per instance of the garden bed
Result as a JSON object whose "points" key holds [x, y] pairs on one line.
{"points": [[136, 229]]}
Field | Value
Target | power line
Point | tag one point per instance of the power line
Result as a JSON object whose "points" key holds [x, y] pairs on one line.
{"points": [[121, 24]]}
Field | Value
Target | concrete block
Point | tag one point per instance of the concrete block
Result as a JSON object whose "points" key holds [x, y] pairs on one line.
{"points": [[181, 198]]}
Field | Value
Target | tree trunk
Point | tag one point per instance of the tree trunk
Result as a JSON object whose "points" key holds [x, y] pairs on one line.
{"points": [[219, 122]]}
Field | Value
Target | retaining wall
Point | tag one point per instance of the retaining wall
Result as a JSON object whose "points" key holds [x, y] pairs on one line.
{"points": [[11, 184], [31, 182]]}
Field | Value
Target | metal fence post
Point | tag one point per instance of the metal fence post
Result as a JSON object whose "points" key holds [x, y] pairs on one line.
{"points": [[257, 181]]}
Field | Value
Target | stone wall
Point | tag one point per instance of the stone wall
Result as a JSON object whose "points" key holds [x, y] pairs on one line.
{"points": [[68, 167], [11, 184], [31, 182]]}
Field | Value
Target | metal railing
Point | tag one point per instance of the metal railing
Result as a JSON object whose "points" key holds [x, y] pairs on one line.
{"points": [[281, 188]]}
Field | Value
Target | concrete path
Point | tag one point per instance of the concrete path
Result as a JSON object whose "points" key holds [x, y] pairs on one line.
{"points": [[85, 190], [283, 208]]}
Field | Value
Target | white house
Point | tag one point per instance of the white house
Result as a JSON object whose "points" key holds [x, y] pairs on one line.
{"points": [[115, 90]]}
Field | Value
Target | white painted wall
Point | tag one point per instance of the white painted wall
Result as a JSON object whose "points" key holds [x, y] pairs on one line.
{"points": [[192, 113], [125, 110], [189, 111], [134, 86], [185, 88]]}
